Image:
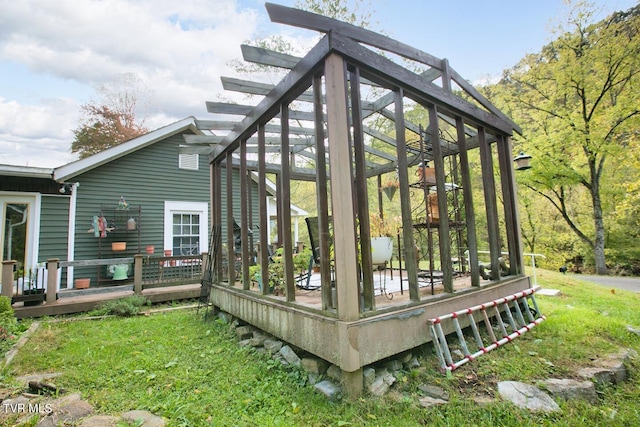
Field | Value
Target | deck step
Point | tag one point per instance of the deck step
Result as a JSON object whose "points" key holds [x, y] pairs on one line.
{"points": [[68, 293]]}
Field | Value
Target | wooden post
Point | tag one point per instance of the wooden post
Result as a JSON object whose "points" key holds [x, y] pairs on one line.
{"points": [[7, 277], [346, 259], [52, 280], [205, 262], [137, 274]]}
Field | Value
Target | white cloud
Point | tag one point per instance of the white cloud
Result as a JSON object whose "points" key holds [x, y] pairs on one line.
{"points": [[179, 49], [37, 135]]}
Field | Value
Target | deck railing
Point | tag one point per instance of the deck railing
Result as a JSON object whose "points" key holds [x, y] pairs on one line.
{"points": [[148, 272]]}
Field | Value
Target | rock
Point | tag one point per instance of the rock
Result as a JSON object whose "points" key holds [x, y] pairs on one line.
{"points": [[314, 365], [244, 343], [290, 356], [393, 365], [526, 396], [411, 364], [569, 389], [147, 418], [633, 330], [100, 421], [328, 388], [381, 383], [70, 413], [483, 400], [428, 402], [406, 357], [434, 391], [272, 346], [25, 379], [257, 340], [244, 332], [334, 373], [600, 375], [368, 374], [225, 317], [608, 370]]}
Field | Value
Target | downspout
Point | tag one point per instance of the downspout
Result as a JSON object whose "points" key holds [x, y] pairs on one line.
{"points": [[71, 235]]}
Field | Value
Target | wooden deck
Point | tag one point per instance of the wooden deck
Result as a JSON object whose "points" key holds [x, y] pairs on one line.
{"points": [[69, 302]]}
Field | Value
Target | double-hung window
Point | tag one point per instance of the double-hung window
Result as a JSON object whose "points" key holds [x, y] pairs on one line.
{"points": [[185, 225]]}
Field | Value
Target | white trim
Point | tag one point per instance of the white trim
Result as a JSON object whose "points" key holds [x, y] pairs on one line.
{"points": [[201, 208], [34, 200], [72, 169], [71, 236]]}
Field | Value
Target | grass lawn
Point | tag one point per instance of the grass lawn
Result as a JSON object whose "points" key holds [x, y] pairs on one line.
{"points": [[193, 373]]}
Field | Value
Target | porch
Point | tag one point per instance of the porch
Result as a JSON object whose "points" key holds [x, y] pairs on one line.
{"points": [[157, 278]]}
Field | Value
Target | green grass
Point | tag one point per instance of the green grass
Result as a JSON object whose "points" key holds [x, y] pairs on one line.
{"points": [[193, 373]]}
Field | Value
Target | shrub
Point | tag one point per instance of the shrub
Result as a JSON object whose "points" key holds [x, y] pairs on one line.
{"points": [[8, 324], [125, 307]]}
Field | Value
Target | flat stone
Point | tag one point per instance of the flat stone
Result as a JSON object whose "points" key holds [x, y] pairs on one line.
{"points": [[225, 317], [329, 389], [548, 292], [70, 413], [393, 365], [413, 363], [244, 332], [334, 373], [428, 402], [272, 346], [257, 340], [290, 356], [434, 391], [569, 389], [100, 421], [368, 374], [147, 418], [601, 376], [25, 379], [527, 396], [314, 365], [381, 383]]}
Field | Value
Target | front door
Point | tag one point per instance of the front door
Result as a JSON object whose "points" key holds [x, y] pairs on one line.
{"points": [[18, 232]]}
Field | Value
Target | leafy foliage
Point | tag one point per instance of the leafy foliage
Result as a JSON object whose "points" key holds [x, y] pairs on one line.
{"points": [[576, 102], [111, 121], [125, 307]]}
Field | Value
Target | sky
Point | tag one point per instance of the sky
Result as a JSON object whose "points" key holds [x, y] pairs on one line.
{"points": [[55, 55]]}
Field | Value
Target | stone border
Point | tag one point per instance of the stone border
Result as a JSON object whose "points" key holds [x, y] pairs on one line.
{"points": [[9, 355]]}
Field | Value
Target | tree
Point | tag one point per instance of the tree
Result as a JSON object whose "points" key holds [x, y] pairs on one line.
{"points": [[112, 120], [576, 101]]}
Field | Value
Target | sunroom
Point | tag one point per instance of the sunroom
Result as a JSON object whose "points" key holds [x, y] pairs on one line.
{"points": [[387, 137]]}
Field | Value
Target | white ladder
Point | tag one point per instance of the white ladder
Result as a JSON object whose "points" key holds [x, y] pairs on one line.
{"points": [[521, 320]]}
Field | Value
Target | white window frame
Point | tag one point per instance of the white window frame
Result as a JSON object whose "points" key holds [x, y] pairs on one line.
{"points": [[34, 200], [175, 207]]}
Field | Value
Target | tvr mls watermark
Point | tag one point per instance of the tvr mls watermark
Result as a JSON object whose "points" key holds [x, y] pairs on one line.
{"points": [[31, 408]]}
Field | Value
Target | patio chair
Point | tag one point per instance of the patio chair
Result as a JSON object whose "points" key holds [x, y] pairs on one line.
{"points": [[314, 238]]}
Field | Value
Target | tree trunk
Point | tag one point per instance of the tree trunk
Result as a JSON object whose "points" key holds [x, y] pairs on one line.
{"points": [[598, 243]]}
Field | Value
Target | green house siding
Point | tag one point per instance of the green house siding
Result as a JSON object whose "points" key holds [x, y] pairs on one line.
{"points": [[146, 178], [54, 228]]}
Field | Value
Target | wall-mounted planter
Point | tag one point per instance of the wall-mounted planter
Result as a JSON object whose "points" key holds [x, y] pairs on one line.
{"points": [[81, 283], [118, 246], [150, 249]]}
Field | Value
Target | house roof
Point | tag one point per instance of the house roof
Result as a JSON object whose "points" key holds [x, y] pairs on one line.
{"points": [[26, 171], [78, 167]]}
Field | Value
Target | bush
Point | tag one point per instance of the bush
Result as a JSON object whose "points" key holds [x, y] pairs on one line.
{"points": [[125, 307], [8, 324]]}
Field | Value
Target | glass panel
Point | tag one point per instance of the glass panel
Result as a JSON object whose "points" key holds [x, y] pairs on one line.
{"points": [[15, 235]]}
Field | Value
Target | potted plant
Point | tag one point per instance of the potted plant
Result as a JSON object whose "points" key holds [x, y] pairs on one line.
{"points": [[382, 230]]}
